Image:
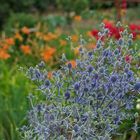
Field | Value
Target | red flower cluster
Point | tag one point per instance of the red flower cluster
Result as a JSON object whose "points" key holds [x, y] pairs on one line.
{"points": [[124, 4], [115, 31], [135, 29], [94, 32]]}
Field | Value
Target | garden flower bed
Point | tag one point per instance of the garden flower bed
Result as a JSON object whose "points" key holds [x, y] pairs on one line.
{"points": [[87, 84], [87, 100]]}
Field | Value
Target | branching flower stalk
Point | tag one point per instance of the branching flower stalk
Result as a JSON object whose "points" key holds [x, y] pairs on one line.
{"points": [[90, 101]]}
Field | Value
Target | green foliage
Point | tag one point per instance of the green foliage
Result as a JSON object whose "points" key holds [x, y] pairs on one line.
{"points": [[44, 5], [3, 13], [13, 101], [98, 5], [76, 6], [53, 21], [8, 6], [19, 20]]}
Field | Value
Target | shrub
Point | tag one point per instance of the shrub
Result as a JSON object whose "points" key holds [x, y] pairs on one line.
{"points": [[54, 21], [19, 20], [88, 100], [44, 5], [3, 13], [76, 6], [13, 101], [9, 6]]}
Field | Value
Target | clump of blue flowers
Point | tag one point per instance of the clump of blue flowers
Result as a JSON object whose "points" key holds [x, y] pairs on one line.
{"points": [[88, 102]]}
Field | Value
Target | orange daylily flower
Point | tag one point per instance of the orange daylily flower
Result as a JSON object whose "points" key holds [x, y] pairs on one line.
{"points": [[78, 18], [91, 46], [1, 43], [74, 38], [50, 36], [47, 37], [25, 30], [26, 49], [76, 50], [10, 41], [63, 42], [48, 53], [4, 54], [5, 47], [89, 34], [18, 36], [38, 35], [49, 75], [73, 63]]}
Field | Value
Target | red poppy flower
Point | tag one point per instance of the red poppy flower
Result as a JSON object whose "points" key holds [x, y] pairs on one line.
{"points": [[133, 27], [95, 33]]}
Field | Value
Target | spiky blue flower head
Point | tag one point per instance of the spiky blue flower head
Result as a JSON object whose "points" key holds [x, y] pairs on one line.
{"points": [[76, 128], [86, 89], [41, 64], [37, 73], [96, 76], [90, 68], [76, 86], [67, 95], [106, 53], [129, 74], [31, 69], [117, 120], [69, 65], [113, 78], [137, 86], [47, 83], [90, 54], [126, 70], [84, 117], [80, 50], [39, 107], [116, 52], [130, 42], [120, 42]]}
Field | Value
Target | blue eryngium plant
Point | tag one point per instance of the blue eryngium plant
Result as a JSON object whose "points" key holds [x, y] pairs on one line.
{"points": [[87, 102]]}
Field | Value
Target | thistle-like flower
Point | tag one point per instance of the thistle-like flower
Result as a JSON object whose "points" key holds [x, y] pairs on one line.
{"points": [[87, 102]]}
